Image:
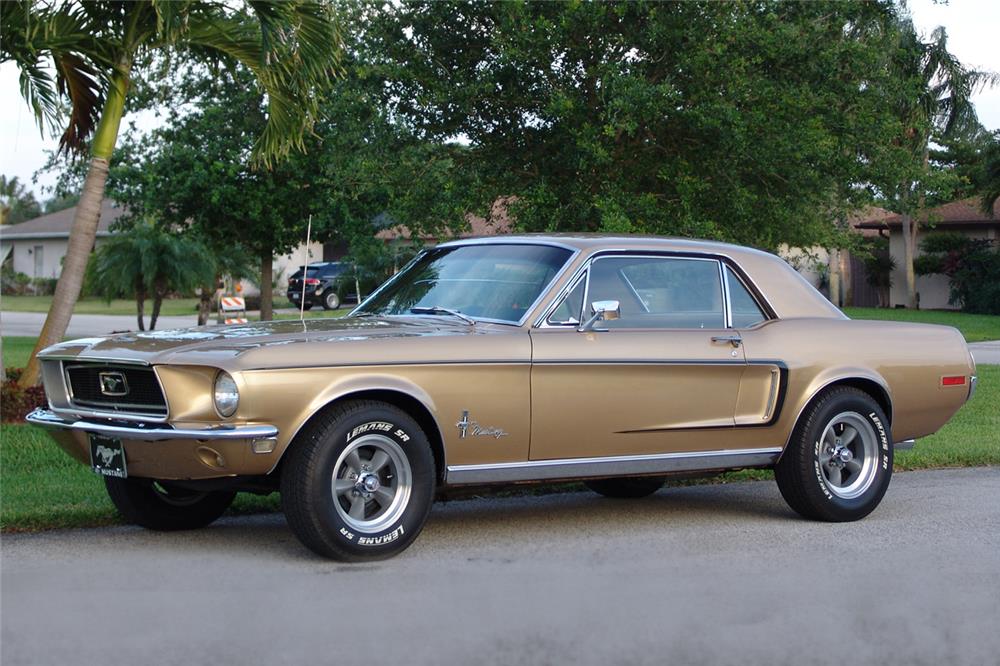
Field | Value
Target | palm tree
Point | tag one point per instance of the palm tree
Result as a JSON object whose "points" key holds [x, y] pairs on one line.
{"points": [[942, 105], [149, 261], [82, 56]]}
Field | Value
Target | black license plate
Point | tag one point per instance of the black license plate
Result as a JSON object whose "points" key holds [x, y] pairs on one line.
{"points": [[107, 456]]}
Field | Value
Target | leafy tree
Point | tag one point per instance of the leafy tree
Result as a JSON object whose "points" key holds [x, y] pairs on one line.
{"points": [[148, 261], [735, 121], [17, 203], [94, 51], [935, 99]]}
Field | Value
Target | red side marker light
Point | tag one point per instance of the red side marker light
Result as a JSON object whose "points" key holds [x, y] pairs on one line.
{"points": [[954, 380]]}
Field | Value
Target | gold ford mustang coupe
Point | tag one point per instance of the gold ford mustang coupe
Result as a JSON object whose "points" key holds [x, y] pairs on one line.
{"points": [[618, 361]]}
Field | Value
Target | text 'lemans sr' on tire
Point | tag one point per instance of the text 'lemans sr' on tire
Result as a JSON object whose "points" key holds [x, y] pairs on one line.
{"points": [[838, 463], [163, 507], [359, 483]]}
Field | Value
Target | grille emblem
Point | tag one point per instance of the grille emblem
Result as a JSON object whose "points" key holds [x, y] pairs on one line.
{"points": [[113, 384]]}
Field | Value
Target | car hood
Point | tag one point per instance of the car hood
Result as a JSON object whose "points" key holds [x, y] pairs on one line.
{"points": [[286, 343]]}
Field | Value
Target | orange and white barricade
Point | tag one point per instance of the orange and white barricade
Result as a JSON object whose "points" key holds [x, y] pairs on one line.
{"points": [[232, 310]]}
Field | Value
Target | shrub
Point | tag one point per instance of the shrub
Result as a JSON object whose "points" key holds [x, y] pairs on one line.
{"points": [[44, 286], [972, 266], [13, 282], [17, 402]]}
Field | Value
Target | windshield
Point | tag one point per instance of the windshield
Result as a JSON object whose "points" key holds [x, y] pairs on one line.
{"points": [[497, 282]]}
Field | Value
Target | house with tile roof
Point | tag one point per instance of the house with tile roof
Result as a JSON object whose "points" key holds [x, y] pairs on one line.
{"points": [[964, 216], [37, 247]]}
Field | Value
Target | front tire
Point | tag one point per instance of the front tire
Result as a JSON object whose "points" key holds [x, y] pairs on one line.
{"points": [[358, 485], [838, 463], [159, 506], [626, 487]]}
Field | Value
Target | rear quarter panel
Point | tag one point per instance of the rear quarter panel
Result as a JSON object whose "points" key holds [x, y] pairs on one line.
{"points": [[907, 360]]}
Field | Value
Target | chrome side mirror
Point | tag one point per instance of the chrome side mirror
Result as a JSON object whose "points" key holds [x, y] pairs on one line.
{"points": [[603, 311]]}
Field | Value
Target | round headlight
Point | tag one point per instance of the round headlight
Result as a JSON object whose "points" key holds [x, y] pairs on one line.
{"points": [[227, 396]]}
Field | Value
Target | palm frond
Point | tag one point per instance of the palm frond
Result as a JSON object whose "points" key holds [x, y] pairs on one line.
{"points": [[81, 83], [293, 49]]}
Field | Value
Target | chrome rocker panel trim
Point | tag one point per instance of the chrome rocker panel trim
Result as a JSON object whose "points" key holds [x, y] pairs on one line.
{"points": [[47, 419], [578, 468]]}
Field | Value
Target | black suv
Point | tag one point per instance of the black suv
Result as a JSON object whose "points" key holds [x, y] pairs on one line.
{"points": [[327, 283]]}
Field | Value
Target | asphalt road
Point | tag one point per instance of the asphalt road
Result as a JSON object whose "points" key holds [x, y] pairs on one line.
{"points": [[696, 575], [986, 353], [84, 325]]}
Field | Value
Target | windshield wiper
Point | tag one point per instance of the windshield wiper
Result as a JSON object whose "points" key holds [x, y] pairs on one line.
{"points": [[437, 309]]}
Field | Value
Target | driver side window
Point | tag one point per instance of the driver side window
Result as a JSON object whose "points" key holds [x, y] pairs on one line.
{"points": [[659, 292]]}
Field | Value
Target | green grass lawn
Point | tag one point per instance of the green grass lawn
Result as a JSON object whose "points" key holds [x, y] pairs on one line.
{"points": [[975, 328], [16, 351], [42, 487], [172, 306]]}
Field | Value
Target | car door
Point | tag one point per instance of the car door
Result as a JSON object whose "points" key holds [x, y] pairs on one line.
{"points": [[664, 377]]}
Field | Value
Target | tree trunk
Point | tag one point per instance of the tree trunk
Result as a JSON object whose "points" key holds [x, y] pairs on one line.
{"points": [[157, 302], [847, 277], [205, 302], [3, 370], [84, 230], [834, 276], [266, 291], [140, 307], [909, 249]]}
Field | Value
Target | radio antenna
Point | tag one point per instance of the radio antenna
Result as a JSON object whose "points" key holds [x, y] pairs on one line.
{"points": [[305, 272]]}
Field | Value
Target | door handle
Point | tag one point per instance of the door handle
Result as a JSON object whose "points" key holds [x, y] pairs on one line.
{"points": [[734, 340]]}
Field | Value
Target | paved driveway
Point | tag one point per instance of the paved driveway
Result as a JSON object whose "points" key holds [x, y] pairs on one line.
{"points": [[699, 575]]}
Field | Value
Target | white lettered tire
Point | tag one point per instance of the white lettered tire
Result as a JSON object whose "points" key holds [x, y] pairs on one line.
{"points": [[359, 483], [838, 463]]}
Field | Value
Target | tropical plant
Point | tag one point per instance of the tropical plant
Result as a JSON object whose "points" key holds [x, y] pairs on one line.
{"points": [[991, 175], [148, 261], [17, 203], [879, 266], [82, 57], [936, 99]]}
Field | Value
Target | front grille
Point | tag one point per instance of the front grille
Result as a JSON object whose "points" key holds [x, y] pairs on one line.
{"points": [[139, 394]]}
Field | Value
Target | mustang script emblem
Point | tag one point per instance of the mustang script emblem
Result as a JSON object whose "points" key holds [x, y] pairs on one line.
{"points": [[113, 383], [465, 426]]}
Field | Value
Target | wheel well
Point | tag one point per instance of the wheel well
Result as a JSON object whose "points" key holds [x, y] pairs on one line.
{"points": [[872, 388], [408, 404]]}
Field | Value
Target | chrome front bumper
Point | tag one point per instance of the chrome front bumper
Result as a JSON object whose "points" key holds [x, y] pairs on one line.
{"points": [[48, 419]]}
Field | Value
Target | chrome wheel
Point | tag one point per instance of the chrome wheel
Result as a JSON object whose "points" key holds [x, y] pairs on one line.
{"points": [[848, 455], [372, 481]]}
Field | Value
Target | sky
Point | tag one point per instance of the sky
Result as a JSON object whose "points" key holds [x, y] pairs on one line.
{"points": [[972, 34]]}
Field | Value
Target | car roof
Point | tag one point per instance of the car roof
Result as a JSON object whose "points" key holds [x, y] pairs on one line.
{"points": [[786, 291], [598, 241]]}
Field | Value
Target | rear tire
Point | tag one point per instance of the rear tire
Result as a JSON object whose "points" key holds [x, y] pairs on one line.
{"points": [[331, 301], [838, 463], [159, 506], [359, 483], [626, 487]]}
